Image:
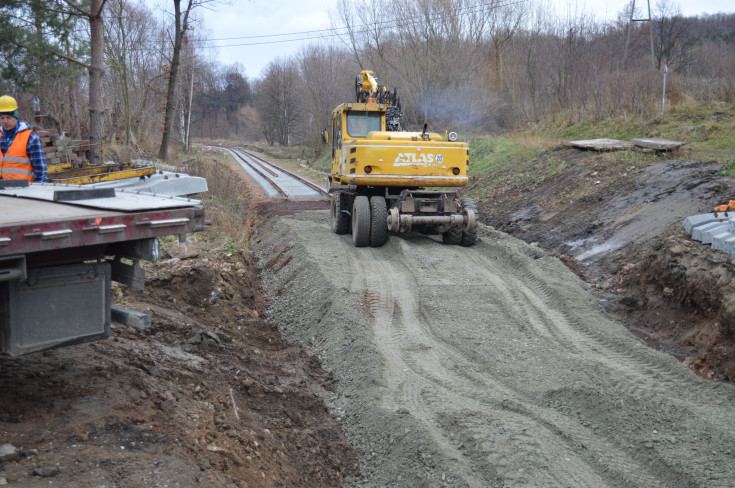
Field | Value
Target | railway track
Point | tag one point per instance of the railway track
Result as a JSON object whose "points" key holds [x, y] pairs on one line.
{"points": [[275, 181]]}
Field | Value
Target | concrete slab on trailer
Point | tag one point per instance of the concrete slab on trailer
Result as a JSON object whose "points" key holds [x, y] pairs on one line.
{"points": [[165, 183], [124, 200]]}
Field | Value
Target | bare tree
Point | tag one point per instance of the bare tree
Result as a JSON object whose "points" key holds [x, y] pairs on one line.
{"points": [[278, 101], [503, 23], [672, 35], [182, 24], [329, 82]]}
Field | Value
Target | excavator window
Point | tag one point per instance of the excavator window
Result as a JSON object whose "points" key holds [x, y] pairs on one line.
{"points": [[359, 123]]}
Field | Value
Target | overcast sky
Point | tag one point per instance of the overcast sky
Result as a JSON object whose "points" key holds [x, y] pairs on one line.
{"points": [[236, 20]]}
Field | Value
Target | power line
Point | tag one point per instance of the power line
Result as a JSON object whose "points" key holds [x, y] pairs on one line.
{"points": [[334, 32]]}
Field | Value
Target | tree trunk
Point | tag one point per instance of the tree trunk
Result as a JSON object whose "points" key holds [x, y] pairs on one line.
{"points": [[187, 134], [96, 112], [179, 30]]}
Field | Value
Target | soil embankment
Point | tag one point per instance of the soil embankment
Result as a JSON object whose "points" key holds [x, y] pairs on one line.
{"points": [[211, 395], [622, 228]]}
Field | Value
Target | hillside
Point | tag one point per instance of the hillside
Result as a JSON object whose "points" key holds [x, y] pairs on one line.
{"points": [[615, 218]]}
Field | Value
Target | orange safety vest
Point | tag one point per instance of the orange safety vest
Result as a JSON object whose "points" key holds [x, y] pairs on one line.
{"points": [[15, 163]]}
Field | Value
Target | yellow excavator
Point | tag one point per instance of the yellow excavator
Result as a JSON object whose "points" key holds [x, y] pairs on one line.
{"points": [[386, 179]]}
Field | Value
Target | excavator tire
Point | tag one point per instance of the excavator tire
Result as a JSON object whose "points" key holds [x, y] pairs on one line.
{"points": [[453, 236], [470, 237], [361, 221], [378, 221], [340, 220]]}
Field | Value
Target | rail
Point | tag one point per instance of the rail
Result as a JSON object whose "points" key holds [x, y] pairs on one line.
{"points": [[275, 180]]}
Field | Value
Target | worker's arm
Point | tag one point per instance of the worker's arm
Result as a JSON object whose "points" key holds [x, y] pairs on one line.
{"points": [[38, 158]]}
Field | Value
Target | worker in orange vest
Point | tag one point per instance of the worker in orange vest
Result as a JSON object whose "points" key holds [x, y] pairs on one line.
{"points": [[23, 157]]}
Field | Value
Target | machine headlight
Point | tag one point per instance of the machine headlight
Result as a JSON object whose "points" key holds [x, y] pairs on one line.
{"points": [[452, 136]]}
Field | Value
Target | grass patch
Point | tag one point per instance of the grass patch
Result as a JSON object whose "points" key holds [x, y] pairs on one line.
{"points": [[508, 159], [528, 155], [226, 204]]}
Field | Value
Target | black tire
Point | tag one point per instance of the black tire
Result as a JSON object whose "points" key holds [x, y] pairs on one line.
{"points": [[453, 236], [378, 221], [340, 220], [470, 237], [361, 221]]}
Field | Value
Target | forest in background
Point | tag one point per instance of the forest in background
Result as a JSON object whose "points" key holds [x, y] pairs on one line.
{"points": [[469, 65]]}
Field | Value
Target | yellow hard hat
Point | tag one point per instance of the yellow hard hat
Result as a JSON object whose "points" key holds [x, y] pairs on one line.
{"points": [[8, 104]]}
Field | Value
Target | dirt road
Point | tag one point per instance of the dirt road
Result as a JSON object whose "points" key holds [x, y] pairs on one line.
{"points": [[488, 366]]}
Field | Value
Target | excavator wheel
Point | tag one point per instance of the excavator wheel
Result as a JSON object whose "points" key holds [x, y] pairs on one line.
{"points": [[378, 221], [453, 236], [469, 237], [340, 220], [361, 221]]}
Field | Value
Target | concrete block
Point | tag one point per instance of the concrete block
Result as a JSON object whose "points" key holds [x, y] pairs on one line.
{"points": [[699, 230], [695, 220], [132, 318], [709, 234], [719, 241]]}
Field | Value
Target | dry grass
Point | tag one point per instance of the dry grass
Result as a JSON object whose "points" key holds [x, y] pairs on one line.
{"points": [[227, 203]]}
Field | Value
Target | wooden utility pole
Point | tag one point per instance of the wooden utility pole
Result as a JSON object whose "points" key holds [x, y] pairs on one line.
{"points": [[630, 29], [627, 37]]}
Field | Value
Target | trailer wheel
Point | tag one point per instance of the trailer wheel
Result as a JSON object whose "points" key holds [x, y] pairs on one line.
{"points": [[378, 221], [469, 237], [340, 220], [361, 221]]}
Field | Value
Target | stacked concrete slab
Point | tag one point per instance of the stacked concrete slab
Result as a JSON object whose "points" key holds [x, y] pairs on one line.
{"points": [[717, 229]]}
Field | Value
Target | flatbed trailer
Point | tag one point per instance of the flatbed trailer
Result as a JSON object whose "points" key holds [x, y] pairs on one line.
{"points": [[60, 248]]}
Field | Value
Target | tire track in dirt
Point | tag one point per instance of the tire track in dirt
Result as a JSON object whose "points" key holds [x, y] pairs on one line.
{"points": [[397, 337], [641, 373], [492, 366], [527, 306]]}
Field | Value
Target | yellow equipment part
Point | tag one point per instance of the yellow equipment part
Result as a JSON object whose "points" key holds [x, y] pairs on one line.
{"points": [[97, 174], [55, 168], [368, 81], [379, 161], [385, 179], [365, 154]]}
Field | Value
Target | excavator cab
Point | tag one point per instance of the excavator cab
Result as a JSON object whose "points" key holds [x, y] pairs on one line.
{"points": [[359, 123]]}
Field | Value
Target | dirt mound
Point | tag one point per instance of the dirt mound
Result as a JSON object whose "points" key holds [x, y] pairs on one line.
{"points": [[210, 395], [619, 225], [682, 289]]}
